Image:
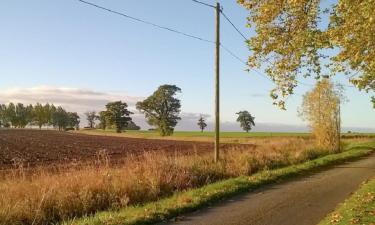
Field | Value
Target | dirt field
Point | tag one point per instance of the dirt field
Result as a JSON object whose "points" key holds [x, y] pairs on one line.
{"points": [[39, 148]]}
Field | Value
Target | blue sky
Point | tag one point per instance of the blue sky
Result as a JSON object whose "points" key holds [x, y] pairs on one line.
{"points": [[66, 44]]}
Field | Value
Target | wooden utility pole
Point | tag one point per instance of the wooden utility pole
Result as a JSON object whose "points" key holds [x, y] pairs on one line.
{"points": [[217, 84]]}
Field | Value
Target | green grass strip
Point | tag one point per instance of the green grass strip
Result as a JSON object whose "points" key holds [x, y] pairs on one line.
{"points": [[194, 199], [358, 209]]}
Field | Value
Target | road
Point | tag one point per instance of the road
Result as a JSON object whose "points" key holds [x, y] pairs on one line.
{"points": [[304, 201]]}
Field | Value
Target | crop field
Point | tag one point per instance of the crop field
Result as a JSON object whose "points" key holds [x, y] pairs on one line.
{"points": [[31, 148]]}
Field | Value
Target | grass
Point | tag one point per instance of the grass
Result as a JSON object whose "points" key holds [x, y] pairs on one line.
{"points": [[358, 209], [207, 136], [190, 200], [45, 197]]}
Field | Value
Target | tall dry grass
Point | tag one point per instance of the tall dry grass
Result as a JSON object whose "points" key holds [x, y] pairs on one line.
{"points": [[46, 197]]}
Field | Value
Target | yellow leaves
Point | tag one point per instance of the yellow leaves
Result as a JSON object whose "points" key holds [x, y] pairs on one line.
{"points": [[288, 34], [336, 217]]}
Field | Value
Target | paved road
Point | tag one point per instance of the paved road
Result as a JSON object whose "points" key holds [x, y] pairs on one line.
{"points": [[301, 202]]}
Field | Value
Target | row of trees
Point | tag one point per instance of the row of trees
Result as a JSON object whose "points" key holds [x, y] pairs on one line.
{"points": [[18, 115], [115, 116], [161, 111]]}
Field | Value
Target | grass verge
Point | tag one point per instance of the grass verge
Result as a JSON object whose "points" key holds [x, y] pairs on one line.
{"points": [[197, 198], [358, 209]]}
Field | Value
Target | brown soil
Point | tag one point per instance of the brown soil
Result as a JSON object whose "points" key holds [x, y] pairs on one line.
{"points": [[40, 148]]}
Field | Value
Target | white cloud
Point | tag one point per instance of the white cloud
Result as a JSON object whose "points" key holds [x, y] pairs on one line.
{"points": [[73, 99]]}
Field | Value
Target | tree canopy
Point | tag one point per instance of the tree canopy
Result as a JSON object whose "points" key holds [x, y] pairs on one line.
{"points": [[19, 116], [246, 120], [162, 109], [292, 41], [117, 115]]}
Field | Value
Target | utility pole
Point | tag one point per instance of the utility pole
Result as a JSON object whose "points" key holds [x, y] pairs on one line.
{"points": [[217, 84]]}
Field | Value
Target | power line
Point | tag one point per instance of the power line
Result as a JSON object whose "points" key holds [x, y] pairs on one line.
{"points": [[233, 26], [203, 3], [243, 62], [146, 22]]}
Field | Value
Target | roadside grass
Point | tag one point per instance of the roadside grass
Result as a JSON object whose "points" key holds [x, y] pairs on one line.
{"points": [[190, 200], [358, 209]]}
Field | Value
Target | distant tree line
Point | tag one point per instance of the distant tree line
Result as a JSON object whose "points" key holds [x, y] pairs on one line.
{"points": [[18, 115]]}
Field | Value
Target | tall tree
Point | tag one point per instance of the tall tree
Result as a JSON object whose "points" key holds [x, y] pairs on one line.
{"points": [[11, 114], [23, 115], [321, 108], [91, 117], [246, 120], [293, 43], [117, 114], [162, 109], [40, 117], [202, 123], [74, 120], [61, 118], [103, 120]]}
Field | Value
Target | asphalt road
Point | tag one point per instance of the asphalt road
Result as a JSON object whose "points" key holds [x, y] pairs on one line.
{"points": [[304, 201]]}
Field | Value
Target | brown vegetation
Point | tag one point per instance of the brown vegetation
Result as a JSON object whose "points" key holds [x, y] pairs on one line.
{"points": [[44, 196]]}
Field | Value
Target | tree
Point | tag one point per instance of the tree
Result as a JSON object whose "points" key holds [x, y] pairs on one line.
{"points": [[161, 109], [91, 117], [103, 120], [246, 120], [11, 114], [117, 114], [373, 101], [23, 115], [40, 115], [321, 107], [60, 119], [202, 123], [74, 120], [292, 42]]}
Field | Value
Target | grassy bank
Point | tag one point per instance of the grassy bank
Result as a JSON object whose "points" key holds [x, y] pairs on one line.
{"points": [[197, 198], [358, 209]]}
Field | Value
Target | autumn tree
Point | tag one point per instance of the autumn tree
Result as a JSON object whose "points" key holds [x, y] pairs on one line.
{"points": [[91, 117], [321, 108], [202, 123], [291, 42], [162, 109], [246, 120], [117, 115]]}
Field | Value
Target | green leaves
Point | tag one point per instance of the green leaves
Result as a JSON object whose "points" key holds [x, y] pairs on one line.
{"points": [[161, 109], [246, 120], [117, 114]]}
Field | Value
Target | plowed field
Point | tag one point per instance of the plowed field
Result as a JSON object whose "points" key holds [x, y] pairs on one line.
{"points": [[42, 147]]}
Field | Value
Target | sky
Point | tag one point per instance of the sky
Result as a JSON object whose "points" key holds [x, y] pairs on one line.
{"points": [[81, 57]]}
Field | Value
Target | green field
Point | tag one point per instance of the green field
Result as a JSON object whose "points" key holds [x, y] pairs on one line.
{"points": [[193, 135]]}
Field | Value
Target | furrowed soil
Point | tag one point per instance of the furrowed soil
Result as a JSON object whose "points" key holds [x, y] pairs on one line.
{"points": [[34, 148]]}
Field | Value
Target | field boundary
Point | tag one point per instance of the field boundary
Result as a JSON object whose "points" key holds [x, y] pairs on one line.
{"points": [[195, 199]]}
